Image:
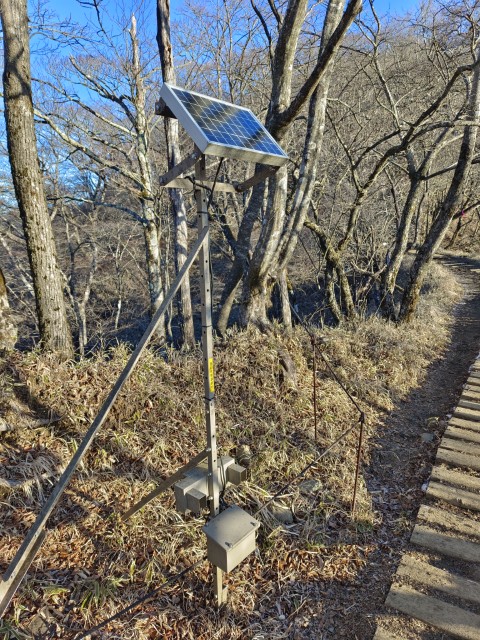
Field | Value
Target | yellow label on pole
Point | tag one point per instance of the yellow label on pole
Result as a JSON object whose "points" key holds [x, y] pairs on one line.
{"points": [[210, 375]]}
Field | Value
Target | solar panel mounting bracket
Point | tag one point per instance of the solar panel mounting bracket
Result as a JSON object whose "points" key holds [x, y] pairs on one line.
{"points": [[161, 109], [180, 168], [258, 176]]}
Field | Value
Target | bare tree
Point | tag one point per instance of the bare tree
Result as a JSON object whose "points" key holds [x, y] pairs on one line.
{"points": [[279, 232], [450, 205], [27, 178], [116, 138]]}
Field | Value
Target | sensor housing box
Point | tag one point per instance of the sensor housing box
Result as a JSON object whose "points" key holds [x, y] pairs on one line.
{"points": [[230, 538]]}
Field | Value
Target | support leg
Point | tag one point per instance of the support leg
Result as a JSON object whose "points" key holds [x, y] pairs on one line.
{"points": [[220, 590]]}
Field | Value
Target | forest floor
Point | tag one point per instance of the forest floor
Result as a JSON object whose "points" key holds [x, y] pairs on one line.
{"points": [[318, 573], [401, 464]]}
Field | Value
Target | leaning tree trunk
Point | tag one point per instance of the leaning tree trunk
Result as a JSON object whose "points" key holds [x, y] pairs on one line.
{"points": [[173, 150], [450, 205], [27, 179]]}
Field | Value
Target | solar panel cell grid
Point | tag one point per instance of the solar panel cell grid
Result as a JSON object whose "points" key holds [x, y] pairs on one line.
{"points": [[229, 126]]}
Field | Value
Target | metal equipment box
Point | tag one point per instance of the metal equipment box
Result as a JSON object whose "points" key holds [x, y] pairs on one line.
{"points": [[230, 538]]}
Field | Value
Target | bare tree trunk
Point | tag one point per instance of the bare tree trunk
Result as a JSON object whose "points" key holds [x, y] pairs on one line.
{"points": [[400, 247], [450, 205], [282, 299], [240, 263], [8, 330], [27, 179], [80, 300], [330, 292], [173, 149], [334, 265]]}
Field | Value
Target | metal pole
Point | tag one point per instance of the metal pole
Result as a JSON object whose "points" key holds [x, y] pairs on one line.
{"points": [[207, 348]]}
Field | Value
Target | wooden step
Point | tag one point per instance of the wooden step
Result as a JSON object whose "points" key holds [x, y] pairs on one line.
{"points": [[454, 495], [469, 448], [457, 478], [445, 544], [475, 374], [465, 424], [441, 615], [457, 459], [451, 521], [473, 382], [468, 404], [471, 388], [424, 573], [470, 395], [466, 414], [463, 434]]}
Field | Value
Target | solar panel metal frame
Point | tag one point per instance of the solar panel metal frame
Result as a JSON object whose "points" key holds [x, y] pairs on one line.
{"points": [[206, 146]]}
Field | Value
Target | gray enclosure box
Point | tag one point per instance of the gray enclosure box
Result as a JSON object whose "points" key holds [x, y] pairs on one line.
{"points": [[191, 493], [230, 538]]}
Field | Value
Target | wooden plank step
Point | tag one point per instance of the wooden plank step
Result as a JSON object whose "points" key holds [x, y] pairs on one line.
{"points": [[475, 374], [444, 544], [468, 404], [441, 615], [464, 424], [424, 573], [457, 459], [457, 478], [467, 414], [463, 434], [454, 495], [383, 634], [473, 382], [434, 515], [471, 388], [470, 395], [470, 448]]}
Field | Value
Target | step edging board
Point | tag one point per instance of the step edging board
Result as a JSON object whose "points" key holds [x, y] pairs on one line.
{"points": [[441, 615]]}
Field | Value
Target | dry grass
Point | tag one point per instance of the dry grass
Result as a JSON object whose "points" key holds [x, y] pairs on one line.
{"points": [[91, 564]]}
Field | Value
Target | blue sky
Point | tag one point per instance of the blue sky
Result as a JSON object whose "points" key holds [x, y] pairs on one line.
{"points": [[65, 8], [396, 7]]}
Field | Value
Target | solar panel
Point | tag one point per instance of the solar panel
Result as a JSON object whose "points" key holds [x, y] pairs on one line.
{"points": [[222, 129]]}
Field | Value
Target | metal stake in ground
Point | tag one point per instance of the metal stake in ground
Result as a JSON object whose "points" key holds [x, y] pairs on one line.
{"points": [[208, 374]]}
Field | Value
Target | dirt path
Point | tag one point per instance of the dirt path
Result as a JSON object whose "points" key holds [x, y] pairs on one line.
{"points": [[401, 463]]}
